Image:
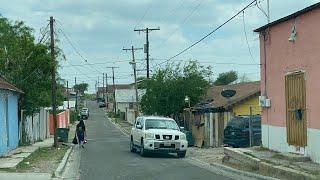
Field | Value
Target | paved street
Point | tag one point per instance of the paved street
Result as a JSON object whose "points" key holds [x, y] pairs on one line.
{"points": [[107, 156]]}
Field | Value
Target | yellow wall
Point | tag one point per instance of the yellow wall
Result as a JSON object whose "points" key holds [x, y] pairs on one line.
{"points": [[243, 108]]}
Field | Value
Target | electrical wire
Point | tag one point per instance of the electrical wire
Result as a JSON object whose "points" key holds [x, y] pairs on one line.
{"points": [[144, 14], [209, 34], [245, 34], [74, 48], [184, 21]]}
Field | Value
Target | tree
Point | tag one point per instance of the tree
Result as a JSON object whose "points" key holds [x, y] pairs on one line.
{"points": [[166, 90], [142, 82], [26, 64], [82, 87], [244, 78], [226, 78]]}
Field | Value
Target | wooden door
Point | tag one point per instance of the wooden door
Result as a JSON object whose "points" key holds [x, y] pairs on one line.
{"points": [[295, 92]]}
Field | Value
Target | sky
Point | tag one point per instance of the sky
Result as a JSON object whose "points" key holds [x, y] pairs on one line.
{"points": [[92, 33]]}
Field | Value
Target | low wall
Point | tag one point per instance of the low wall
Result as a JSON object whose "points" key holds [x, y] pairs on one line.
{"points": [[34, 128], [130, 115]]}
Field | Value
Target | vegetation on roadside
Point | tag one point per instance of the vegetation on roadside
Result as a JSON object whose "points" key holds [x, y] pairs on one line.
{"points": [[226, 78], [43, 160], [27, 64], [73, 116], [167, 88]]}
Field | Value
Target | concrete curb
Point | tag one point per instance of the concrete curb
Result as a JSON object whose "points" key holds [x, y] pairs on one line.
{"points": [[225, 170], [119, 127], [262, 166], [63, 163]]}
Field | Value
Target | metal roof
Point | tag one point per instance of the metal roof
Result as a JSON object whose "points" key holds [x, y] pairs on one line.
{"points": [[4, 84]]}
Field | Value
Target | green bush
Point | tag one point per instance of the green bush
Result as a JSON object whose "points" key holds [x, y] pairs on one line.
{"points": [[73, 116]]}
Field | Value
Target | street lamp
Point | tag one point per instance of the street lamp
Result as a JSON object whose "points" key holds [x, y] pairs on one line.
{"points": [[187, 100]]}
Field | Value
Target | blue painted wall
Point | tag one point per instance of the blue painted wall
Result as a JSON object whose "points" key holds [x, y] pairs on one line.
{"points": [[13, 121], [3, 126], [9, 137]]}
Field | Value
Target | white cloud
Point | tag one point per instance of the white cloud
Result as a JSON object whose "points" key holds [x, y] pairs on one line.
{"points": [[100, 29]]}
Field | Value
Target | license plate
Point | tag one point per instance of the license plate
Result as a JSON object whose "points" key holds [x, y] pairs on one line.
{"points": [[232, 133], [167, 144]]}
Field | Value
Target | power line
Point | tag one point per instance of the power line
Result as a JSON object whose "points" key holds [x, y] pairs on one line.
{"points": [[75, 49], [184, 21], [245, 34], [144, 14], [210, 33]]}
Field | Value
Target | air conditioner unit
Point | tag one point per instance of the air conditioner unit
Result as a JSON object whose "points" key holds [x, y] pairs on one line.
{"points": [[264, 102]]}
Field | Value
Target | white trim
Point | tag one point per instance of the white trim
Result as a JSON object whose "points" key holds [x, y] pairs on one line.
{"points": [[278, 141]]}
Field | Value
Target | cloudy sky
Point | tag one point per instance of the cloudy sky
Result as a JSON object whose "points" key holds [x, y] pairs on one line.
{"points": [[99, 29]]}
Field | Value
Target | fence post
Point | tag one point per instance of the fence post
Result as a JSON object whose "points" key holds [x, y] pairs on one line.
{"points": [[250, 127]]}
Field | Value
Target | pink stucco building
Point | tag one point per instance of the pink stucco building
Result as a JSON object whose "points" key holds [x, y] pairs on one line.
{"points": [[290, 79]]}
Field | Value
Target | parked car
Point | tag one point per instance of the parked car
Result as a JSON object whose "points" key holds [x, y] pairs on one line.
{"points": [[84, 113], [102, 104], [237, 133], [157, 134]]}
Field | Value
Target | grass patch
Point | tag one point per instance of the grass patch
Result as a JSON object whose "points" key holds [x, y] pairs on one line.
{"points": [[7, 170], [43, 159], [278, 156], [249, 154]]}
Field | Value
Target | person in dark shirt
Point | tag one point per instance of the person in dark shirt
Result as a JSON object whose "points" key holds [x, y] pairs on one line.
{"points": [[81, 132]]}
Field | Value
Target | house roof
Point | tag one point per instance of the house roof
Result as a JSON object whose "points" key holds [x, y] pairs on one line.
{"points": [[4, 84], [214, 99], [291, 16], [117, 86]]}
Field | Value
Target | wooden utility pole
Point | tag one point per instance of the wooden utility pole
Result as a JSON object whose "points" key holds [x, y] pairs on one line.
{"points": [[114, 91], [68, 94], [75, 83], [107, 100], [53, 82], [146, 46], [134, 65], [103, 86]]}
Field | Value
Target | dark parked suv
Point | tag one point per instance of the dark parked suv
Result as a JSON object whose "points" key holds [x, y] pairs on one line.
{"points": [[236, 134]]}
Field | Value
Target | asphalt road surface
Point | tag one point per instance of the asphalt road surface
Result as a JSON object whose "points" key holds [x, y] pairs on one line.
{"points": [[107, 156]]}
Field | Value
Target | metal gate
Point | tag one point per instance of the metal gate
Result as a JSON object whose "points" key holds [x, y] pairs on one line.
{"points": [[295, 92]]}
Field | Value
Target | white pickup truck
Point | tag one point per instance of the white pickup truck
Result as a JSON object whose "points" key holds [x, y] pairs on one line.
{"points": [[157, 134]]}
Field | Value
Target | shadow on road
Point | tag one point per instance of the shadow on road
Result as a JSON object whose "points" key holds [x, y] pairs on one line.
{"points": [[158, 155]]}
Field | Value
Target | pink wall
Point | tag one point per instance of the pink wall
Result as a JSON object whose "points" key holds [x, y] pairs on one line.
{"points": [[63, 121], [283, 57]]}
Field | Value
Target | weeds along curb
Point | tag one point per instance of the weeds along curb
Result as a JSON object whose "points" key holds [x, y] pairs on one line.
{"points": [[63, 163]]}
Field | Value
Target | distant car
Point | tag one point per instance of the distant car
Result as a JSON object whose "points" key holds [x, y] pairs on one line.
{"points": [[84, 113], [236, 133], [102, 104], [157, 134]]}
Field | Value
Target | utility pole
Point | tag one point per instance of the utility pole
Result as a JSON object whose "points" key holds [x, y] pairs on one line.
{"points": [[134, 65], [54, 85], [146, 46], [114, 91], [75, 83], [107, 100], [68, 94], [103, 86]]}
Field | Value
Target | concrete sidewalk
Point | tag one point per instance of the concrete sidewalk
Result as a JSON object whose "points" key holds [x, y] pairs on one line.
{"points": [[270, 163], [14, 157], [25, 176]]}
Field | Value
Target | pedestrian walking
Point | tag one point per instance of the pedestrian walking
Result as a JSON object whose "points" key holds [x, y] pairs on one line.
{"points": [[81, 133]]}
